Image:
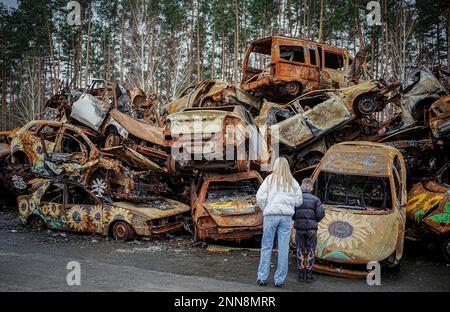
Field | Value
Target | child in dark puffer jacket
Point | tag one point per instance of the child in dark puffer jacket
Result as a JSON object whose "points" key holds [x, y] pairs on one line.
{"points": [[306, 217]]}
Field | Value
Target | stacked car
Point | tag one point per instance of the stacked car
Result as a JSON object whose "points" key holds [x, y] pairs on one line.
{"points": [[118, 163]]}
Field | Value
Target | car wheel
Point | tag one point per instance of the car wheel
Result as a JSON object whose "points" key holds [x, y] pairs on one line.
{"points": [[113, 139], [293, 88], [366, 105], [122, 231], [37, 223], [445, 248]]}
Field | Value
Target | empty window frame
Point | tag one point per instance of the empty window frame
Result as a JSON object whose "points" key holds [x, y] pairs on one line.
{"points": [[292, 53], [334, 60]]}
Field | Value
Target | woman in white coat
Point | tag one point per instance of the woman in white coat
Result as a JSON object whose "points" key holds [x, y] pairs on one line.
{"points": [[277, 197]]}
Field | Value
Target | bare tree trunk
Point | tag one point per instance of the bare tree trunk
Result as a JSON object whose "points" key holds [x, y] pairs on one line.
{"points": [[372, 64], [88, 39], [223, 55], [52, 61], [4, 89], [236, 41], [199, 67], [213, 52], [321, 22], [122, 43]]}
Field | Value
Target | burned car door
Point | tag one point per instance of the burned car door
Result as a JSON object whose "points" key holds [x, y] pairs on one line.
{"points": [[51, 207], [82, 211], [324, 112], [90, 111], [290, 128]]}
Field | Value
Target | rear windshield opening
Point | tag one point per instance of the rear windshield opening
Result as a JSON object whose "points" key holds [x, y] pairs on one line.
{"points": [[310, 102], [259, 61], [292, 54], [354, 192], [334, 61], [231, 191]]}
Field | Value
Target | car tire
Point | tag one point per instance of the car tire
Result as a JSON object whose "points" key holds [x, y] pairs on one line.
{"points": [[366, 105], [112, 139], [37, 222], [445, 248], [122, 231]]}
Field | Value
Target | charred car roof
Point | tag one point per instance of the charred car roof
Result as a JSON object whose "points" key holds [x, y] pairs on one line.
{"points": [[360, 158]]}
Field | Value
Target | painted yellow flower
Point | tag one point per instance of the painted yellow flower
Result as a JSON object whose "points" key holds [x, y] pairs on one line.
{"points": [[96, 217], [24, 208], [119, 214], [54, 210], [45, 210], [77, 219], [344, 230]]}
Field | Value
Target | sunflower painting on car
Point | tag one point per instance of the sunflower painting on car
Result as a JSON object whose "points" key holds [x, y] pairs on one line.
{"points": [[362, 186], [68, 206]]}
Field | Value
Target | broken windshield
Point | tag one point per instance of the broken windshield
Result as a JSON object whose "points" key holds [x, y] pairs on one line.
{"points": [[354, 192], [225, 191]]}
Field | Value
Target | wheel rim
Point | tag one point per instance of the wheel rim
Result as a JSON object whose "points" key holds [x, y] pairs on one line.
{"points": [[38, 222], [121, 231], [112, 140], [292, 88], [367, 106]]}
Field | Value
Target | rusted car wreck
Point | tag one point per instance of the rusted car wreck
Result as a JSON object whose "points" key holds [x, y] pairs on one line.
{"points": [[280, 68], [50, 148], [362, 186], [69, 206]]}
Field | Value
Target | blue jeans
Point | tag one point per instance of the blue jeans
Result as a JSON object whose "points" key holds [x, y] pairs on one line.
{"points": [[281, 225]]}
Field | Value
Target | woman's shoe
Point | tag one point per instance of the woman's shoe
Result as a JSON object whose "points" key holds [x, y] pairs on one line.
{"points": [[261, 283], [279, 285]]}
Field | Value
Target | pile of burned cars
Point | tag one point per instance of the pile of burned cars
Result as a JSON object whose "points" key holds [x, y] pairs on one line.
{"points": [[119, 163]]}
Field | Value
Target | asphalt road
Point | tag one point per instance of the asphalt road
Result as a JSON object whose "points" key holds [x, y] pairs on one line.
{"points": [[34, 261]]}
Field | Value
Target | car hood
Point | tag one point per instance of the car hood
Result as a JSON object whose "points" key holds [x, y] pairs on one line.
{"points": [[357, 237], [139, 129], [157, 208], [234, 213], [198, 121]]}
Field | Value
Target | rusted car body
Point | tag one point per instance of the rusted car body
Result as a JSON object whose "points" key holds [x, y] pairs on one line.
{"points": [[50, 148], [281, 68], [68, 206], [217, 138], [224, 206], [212, 93], [417, 97], [102, 109], [428, 209], [439, 118], [362, 186], [422, 155]]}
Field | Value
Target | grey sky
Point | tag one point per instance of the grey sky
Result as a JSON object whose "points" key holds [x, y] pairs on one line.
{"points": [[10, 3]]}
